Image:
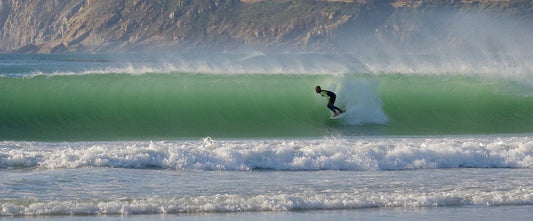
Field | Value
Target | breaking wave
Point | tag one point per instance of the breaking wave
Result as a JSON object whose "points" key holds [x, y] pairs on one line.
{"points": [[283, 155], [161, 106]]}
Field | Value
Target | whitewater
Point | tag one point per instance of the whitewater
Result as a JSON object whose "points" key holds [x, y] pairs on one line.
{"points": [[244, 136], [362, 154]]}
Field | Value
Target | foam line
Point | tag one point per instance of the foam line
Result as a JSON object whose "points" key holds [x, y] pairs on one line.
{"points": [[308, 200], [334, 154]]}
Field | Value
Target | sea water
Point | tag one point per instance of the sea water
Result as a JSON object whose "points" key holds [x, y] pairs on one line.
{"points": [[108, 137]]}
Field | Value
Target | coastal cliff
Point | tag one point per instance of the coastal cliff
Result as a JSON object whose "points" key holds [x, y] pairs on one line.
{"points": [[59, 26]]}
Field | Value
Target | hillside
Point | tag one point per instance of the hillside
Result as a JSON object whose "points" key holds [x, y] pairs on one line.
{"points": [[46, 26]]}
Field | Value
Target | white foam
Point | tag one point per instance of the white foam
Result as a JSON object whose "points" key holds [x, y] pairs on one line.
{"points": [[318, 154], [307, 200], [284, 154], [359, 96]]}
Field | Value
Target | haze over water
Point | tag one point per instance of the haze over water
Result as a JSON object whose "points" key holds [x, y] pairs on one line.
{"points": [[438, 133]]}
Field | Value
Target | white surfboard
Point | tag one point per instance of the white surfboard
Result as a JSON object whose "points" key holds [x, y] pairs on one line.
{"points": [[338, 116]]}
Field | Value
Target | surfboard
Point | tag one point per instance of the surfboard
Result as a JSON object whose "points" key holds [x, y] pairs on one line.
{"points": [[338, 116]]}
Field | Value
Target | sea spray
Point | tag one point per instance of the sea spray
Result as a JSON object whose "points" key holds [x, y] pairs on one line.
{"points": [[358, 95]]}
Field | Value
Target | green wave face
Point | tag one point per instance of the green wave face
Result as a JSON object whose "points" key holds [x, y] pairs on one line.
{"points": [[120, 106], [455, 105], [183, 106]]}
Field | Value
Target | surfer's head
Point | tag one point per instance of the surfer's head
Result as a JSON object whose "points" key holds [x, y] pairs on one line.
{"points": [[318, 89]]}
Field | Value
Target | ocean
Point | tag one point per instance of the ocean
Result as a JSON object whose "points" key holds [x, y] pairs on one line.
{"points": [[242, 135]]}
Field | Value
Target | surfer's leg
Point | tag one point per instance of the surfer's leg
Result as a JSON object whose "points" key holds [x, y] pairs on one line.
{"points": [[335, 108], [332, 108], [331, 104]]}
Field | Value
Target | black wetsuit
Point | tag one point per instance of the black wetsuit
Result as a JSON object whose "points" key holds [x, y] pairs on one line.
{"points": [[331, 102]]}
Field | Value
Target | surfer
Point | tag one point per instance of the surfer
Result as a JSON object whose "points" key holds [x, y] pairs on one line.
{"points": [[331, 102]]}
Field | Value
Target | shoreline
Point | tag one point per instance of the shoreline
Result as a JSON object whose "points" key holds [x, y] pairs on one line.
{"points": [[384, 214]]}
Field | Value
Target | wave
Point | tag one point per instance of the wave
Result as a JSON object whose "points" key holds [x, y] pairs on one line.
{"points": [[516, 66], [270, 202], [283, 155], [162, 106], [183, 106], [244, 62]]}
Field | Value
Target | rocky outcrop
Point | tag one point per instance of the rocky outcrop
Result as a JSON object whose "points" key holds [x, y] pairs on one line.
{"points": [[52, 26]]}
